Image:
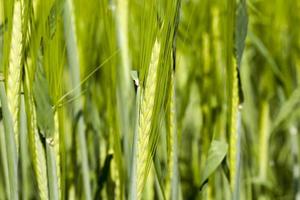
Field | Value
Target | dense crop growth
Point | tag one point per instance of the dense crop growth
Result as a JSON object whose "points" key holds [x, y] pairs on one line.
{"points": [[149, 99]]}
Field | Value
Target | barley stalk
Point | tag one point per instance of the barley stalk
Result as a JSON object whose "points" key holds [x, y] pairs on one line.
{"points": [[73, 59], [122, 21], [23, 148], [263, 140], [4, 161], [146, 111], [124, 89], [12, 161], [57, 152], [14, 70]]}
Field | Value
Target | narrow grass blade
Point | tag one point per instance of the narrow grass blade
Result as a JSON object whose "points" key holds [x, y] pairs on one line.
{"points": [[10, 144]]}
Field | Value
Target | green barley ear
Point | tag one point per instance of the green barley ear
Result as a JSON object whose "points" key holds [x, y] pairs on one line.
{"points": [[154, 90], [146, 112], [15, 68], [237, 27], [37, 150]]}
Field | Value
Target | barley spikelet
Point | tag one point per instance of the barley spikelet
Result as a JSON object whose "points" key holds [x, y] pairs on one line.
{"points": [[14, 70], [146, 110]]}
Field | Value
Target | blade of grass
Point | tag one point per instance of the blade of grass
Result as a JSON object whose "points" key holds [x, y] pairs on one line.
{"points": [[10, 143], [125, 90], [24, 158], [15, 69], [4, 165]]}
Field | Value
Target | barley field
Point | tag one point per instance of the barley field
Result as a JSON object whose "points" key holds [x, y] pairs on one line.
{"points": [[150, 99]]}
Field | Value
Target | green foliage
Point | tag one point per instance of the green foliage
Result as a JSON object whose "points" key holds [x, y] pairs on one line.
{"points": [[139, 99], [43, 102], [216, 154]]}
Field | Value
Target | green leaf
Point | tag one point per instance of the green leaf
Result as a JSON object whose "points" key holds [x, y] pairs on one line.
{"points": [[43, 103], [241, 30], [216, 155], [55, 11]]}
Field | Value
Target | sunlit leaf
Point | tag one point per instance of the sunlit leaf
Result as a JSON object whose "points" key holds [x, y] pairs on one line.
{"points": [[216, 155], [43, 102]]}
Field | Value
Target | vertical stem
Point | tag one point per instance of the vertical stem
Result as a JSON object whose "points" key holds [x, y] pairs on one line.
{"points": [[263, 140], [10, 143], [124, 89], [23, 148], [133, 172], [263, 144], [4, 162], [73, 59], [51, 172]]}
